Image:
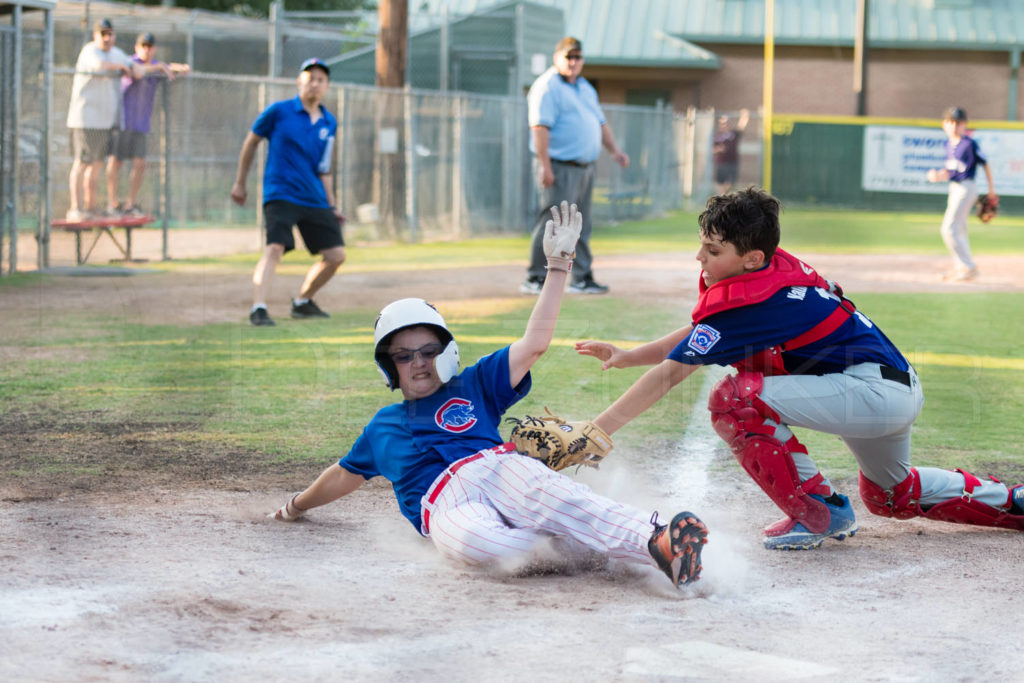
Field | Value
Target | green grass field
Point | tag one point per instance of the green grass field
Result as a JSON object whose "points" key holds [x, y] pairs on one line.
{"points": [[302, 392]]}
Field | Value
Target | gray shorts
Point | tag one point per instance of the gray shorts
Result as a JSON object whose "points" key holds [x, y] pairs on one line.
{"points": [[91, 145], [130, 144]]}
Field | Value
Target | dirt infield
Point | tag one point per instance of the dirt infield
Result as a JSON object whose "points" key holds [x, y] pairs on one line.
{"points": [[145, 575]]}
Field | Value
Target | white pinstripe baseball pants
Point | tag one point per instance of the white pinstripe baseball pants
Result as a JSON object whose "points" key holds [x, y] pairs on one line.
{"points": [[499, 504]]}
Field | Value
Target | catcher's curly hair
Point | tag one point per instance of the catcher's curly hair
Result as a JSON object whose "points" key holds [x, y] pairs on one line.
{"points": [[748, 219]]}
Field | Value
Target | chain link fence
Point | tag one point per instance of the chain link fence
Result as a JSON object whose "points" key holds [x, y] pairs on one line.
{"points": [[410, 165], [23, 131], [417, 164]]}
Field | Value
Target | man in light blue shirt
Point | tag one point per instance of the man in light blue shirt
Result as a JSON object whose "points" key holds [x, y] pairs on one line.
{"points": [[567, 131]]}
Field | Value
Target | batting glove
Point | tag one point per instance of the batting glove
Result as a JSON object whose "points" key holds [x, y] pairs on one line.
{"points": [[289, 512], [560, 236]]}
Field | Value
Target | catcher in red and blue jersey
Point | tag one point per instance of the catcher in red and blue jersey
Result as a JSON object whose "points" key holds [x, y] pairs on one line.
{"points": [[805, 357]]}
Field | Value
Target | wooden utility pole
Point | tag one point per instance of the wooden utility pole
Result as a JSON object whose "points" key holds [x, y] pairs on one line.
{"points": [[390, 165], [860, 58], [393, 16]]}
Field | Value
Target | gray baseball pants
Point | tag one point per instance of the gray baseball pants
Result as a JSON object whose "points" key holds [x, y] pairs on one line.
{"points": [[574, 184], [873, 416]]}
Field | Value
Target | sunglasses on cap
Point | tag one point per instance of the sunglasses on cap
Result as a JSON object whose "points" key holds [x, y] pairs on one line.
{"points": [[427, 352]]}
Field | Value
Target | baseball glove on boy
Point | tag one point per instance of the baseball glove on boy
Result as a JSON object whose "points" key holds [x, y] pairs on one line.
{"points": [[987, 207], [558, 443]]}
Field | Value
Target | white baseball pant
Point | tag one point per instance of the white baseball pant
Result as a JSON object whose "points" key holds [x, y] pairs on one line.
{"points": [[499, 504], [962, 196]]}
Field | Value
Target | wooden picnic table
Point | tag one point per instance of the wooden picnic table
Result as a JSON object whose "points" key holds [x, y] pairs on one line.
{"points": [[104, 225]]}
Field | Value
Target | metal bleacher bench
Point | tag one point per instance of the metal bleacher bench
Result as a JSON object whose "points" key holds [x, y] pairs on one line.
{"points": [[103, 225]]}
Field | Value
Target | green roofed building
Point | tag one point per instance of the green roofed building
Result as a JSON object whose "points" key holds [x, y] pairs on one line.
{"points": [[710, 54]]}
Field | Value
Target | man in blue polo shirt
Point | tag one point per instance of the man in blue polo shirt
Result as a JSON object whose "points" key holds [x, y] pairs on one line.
{"points": [[567, 131], [297, 190]]}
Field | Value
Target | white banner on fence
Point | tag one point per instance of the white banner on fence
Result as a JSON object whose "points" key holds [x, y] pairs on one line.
{"points": [[896, 159]]}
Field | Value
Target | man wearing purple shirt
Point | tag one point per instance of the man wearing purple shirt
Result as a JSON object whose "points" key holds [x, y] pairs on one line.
{"points": [[138, 97]]}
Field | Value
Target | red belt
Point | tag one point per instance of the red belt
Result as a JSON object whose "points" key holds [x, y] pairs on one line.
{"points": [[443, 481]]}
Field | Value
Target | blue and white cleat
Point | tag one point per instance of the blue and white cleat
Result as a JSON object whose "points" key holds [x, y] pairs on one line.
{"points": [[789, 534], [1017, 499]]}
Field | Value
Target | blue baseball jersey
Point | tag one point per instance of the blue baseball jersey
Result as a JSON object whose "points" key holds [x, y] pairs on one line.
{"points": [[963, 158], [412, 442], [732, 335], [299, 152]]}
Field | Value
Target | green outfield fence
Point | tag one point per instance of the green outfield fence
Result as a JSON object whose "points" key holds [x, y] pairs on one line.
{"points": [[819, 161]]}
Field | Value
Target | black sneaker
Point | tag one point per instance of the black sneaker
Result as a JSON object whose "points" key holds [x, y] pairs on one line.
{"points": [[532, 285], [308, 310], [588, 286], [259, 318]]}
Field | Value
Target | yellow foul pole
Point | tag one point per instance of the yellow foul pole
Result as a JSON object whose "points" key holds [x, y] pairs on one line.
{"points": [[769, 64]]}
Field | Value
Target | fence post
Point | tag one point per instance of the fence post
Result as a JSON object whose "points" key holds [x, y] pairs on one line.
{"points": [[457, 165], [43, 253], [12, 224], [5, 179], [165, 166], [688, 158], [657, 171], [411, 208], [341, 154]]}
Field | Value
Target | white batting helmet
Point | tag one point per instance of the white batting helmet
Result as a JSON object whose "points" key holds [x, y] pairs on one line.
{"points": [[404, 313]]}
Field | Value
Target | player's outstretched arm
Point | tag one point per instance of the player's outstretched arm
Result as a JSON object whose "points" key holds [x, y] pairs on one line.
{"points": [[560, 236], [644, 393], [651, 353], [332, 484]]}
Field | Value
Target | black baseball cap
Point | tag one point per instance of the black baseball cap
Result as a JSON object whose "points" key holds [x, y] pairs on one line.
{"points": [[954, 114], [314, 62], [145, 39], [102, 25]]}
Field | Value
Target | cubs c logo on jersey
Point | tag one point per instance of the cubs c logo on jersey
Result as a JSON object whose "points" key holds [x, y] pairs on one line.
{"points": [[456, 415], [703, 338]]}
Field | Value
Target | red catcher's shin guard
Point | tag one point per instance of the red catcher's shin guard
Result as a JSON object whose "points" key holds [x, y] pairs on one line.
{"points": [[902, 502], [738, 415]]}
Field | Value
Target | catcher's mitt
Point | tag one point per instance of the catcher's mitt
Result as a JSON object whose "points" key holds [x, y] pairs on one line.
{"points": [[987, 206], [558, 443]]}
